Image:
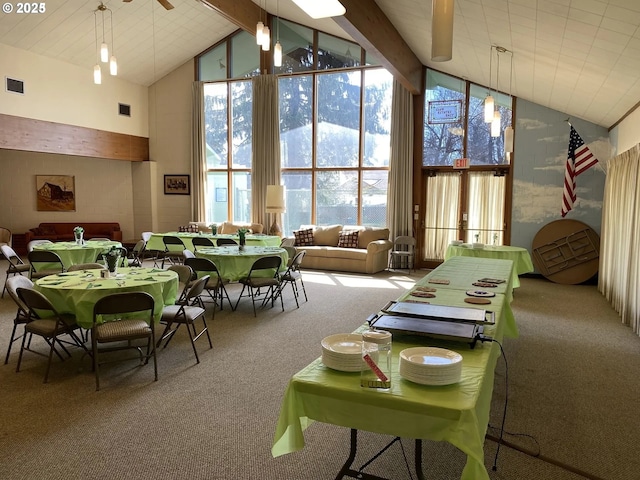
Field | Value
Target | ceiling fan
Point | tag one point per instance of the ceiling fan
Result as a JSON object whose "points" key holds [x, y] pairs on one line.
{"points": [[164, 3]]}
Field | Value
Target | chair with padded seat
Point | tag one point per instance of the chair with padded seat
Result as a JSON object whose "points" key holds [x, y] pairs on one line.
{"points": [[402, 253], [185, 276], [186, 314], [291, 253], [51, 328], [122, 319], [5, 237], [186, 253], [173, 248], [22, 314], [136, 255], [202, 242], [262, 282], [43, 263], [221, 242], [16, 265], [216, 285], [293, 275]]}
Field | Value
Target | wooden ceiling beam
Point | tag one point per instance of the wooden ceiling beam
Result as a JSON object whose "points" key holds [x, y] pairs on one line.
{"points": [[243, 13], [369, 26]]}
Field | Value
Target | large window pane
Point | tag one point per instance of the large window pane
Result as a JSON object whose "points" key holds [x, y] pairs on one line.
{"points": [[338, 134], [443, 120], [482, 148], [337, 197], [298, 200], [334, 52], [217, 200], [212, 65], [242, 103], [215, 125], [378, 90], [241, 197], [297, 46], [296, 107], [374, 197], [245, 55]]}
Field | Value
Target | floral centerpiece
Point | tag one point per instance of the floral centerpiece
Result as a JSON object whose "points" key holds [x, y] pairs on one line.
{"points": [[111, 259], [242, 233], [78, 233], [214, 228]]}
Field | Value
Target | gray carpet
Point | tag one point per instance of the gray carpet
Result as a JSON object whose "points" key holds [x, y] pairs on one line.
{"points": [[572, 386]]}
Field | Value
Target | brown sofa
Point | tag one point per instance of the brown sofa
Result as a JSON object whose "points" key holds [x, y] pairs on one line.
{"points": [[64, 231], [371, 255]]}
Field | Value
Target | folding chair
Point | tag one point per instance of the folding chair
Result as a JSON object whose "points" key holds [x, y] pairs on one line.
{"points": [[173, 248], [201, 242], [263, 275], [216, 285], [293, 275], [50, 263], [16, 265], [22, 315]]}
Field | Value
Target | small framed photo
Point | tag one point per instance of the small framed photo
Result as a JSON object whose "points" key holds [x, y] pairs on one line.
{"points": [[176, 185]]}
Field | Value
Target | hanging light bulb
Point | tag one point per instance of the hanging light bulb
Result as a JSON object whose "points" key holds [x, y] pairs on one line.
{"points": [[489, 107], [104, 53], [277, 55], [97, 74], [495, 124], [266, 39], [508, 139]]}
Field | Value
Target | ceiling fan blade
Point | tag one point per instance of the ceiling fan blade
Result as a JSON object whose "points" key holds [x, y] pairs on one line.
{"points": [[166, 4], [126, 1]]}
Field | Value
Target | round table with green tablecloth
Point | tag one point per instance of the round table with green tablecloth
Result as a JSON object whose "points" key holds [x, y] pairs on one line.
{"points": [[77, 292], [155, 241], [72, 253], [233, 263]]}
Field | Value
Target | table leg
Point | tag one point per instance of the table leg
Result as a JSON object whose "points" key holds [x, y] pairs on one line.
{"points": [[347, 471]]}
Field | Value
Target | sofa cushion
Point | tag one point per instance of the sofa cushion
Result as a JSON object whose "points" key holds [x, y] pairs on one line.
{"points": [[371, 234], [303, 237], [36, 231], [348, 239], [47, 230], [327, 235]]}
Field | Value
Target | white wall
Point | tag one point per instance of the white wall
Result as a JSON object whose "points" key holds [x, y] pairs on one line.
{"points": [[170, 142], [59, 92], [626, 134]]}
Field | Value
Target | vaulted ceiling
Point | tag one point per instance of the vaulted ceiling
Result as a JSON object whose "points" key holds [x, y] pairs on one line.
{"points": [[581, 57]]}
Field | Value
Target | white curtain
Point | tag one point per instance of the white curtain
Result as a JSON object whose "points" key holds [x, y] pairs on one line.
{"points": [[198, 155], [486, 207], [266, 144], [441, 217], [619, 272], [400, 187]]}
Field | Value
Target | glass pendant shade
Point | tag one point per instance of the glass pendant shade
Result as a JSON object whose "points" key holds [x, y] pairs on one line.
{"points": [[442, 30], [97, 75], [508, 139], [259, 28], [277, 55], [113, 65], [495, 124], [266, 39], [488, 109], [104, 53]]}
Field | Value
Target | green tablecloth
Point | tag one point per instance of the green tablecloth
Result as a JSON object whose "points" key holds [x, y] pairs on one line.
{"points": [[155, 241], [77, 292], [234, 264], [520, 257], [72, 254], [458, 414]]}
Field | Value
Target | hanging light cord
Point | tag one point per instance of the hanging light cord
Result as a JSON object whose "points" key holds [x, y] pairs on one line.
{"points": [[95, 24]]}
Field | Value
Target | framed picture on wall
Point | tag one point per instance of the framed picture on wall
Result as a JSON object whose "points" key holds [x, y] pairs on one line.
{"points": [[176, 185], [55, 193]]}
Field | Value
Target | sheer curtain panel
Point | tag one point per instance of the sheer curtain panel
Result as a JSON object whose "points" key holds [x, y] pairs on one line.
{"points": [[198, 155], [266, 144], [619, 272], [400, 187]]}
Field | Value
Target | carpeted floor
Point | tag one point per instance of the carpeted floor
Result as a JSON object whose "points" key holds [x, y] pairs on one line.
{"points": [[573, 389]]}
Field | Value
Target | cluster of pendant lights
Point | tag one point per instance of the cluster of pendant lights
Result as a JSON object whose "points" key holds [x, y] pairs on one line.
{"points": [[103, 50], [263, 39], [491, 112]]}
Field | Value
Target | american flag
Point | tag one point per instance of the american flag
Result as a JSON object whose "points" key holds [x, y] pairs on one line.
{"points": [[579, 159]]}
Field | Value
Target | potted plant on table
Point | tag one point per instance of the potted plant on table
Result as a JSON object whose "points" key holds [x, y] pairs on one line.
{"points": [[112, 258], [78, 234], [214, 229]]}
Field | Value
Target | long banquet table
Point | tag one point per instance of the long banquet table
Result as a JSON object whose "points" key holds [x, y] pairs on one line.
{"points": [[155, 241], [458, 414]]}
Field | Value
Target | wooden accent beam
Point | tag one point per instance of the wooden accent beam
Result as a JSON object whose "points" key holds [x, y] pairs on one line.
{"points": [[27, 134], [369, 26], [243, 13]]}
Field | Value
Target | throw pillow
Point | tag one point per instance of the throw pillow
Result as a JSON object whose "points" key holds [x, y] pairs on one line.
{"points": [[303, 237], [48, 230], [36, 231], [348, 239]]}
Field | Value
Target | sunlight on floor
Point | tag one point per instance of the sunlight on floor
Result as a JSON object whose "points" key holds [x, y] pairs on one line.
{"points": [[354, 280]]}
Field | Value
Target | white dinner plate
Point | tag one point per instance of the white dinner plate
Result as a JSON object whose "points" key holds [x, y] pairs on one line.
{"points": [[345, 343], [431, 356]]}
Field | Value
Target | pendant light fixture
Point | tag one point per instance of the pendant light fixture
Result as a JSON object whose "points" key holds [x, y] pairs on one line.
{"points": [[497, 118], [441, 30], [277, 49], [103, 50], [508, 132], [97, 71], [489, 104]]}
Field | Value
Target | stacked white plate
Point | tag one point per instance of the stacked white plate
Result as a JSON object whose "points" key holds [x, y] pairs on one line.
{"points": [[343, 351], [430, 365]]}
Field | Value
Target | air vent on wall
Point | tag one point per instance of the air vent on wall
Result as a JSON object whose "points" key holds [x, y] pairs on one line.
{"points": [[124, 109], [13, 85]]}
